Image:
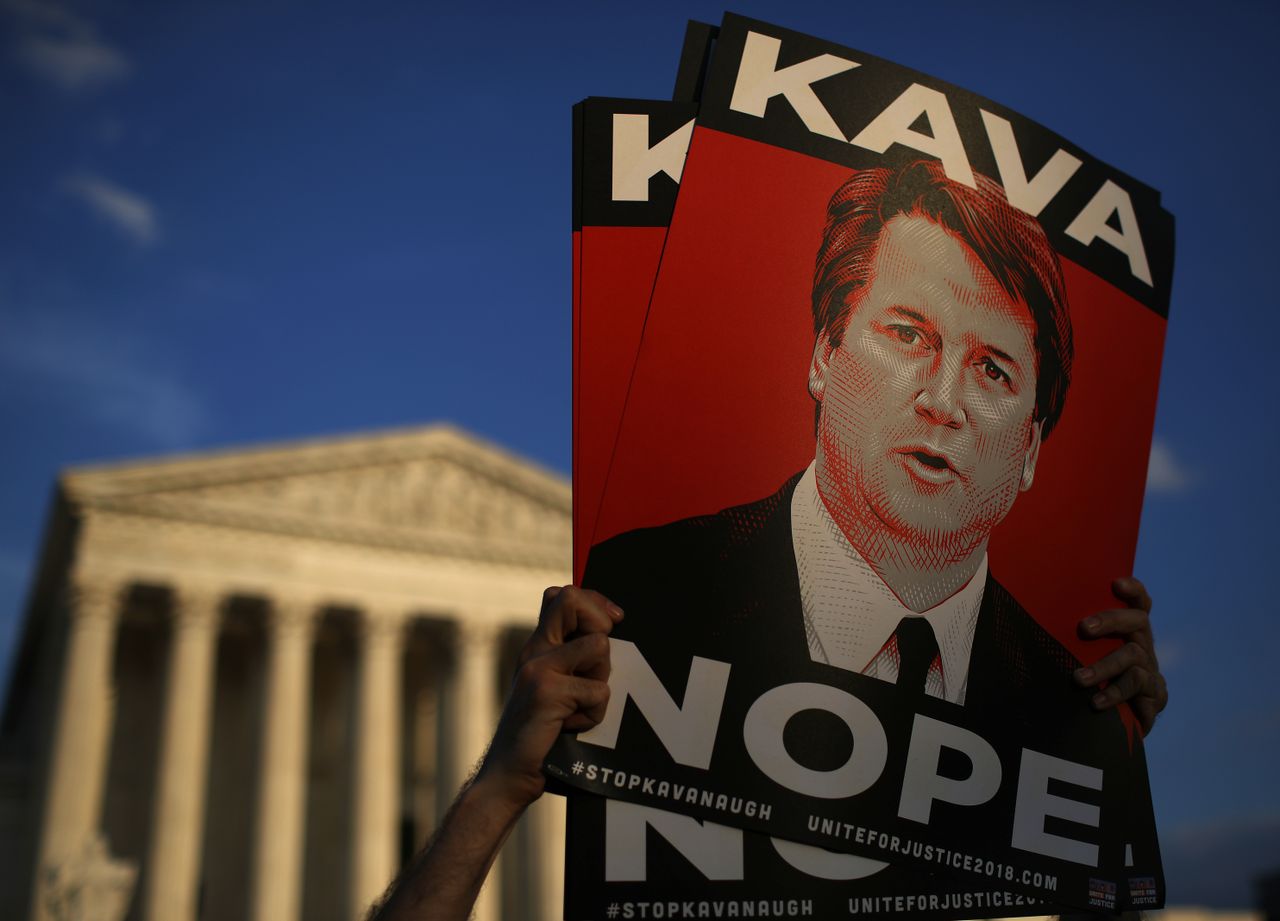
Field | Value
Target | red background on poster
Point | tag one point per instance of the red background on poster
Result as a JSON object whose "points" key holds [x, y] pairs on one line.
{"points": [[618, 265]]}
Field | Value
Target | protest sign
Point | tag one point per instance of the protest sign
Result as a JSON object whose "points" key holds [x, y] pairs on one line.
{"points": [[729, 685], [609, 841]]}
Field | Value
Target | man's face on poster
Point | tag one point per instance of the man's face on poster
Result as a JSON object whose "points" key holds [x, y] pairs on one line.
{"points": [[927, 402]]}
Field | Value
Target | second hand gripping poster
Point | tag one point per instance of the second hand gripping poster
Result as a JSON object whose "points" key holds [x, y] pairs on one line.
{"points": [[870, 440]]}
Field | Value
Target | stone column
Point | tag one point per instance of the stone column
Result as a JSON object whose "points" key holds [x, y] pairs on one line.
{"points": [[177, 832], [77, 769], [376, 799], [548, 856], [276, 875], [474, 705]]}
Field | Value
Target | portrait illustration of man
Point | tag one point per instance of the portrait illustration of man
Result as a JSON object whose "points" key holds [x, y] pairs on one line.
{"points": [[941, 363]]}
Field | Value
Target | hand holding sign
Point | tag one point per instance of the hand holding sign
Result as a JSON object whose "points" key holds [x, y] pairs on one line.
{"points": [[1133, 670], [560, 685]]}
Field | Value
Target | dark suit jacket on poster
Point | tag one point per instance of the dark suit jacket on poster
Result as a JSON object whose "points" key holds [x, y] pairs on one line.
{"points": [[724, 586], [737, 569]]}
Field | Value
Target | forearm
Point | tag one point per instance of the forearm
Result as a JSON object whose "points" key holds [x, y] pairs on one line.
{"points": [[444, 879], [561, 685]]}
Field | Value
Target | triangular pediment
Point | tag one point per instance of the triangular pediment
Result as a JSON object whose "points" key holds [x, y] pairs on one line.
{"points": [[435, 489]]}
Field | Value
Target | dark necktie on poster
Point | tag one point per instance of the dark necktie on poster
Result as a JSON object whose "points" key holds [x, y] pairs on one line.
{"points": [[917, 648]]}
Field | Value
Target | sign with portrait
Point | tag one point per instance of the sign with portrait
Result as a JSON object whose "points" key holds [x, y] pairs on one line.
{"points": [[884, 444]]}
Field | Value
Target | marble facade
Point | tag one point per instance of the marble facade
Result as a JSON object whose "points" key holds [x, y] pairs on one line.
{"points": [[251, 681]]}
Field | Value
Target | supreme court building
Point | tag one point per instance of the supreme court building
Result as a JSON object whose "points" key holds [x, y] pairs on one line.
{"points": [[249, 682]]}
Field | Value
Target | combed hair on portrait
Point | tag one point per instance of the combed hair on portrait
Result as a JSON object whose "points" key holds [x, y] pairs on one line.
{"points": [[1009, 243]]}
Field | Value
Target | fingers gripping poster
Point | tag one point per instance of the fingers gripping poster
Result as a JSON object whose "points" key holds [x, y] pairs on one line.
{"points": [[898, 369]]}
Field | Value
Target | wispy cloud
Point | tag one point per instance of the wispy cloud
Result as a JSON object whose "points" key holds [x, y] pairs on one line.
{"points": [[1165, 473], [57, 45], [111, 376], [126, 211], [75, 62]]}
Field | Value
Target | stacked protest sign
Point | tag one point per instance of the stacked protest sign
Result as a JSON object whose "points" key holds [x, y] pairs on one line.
{"points": [[893, 365], [618, 244]]}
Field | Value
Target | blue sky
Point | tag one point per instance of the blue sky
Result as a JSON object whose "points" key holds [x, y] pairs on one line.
{"points": [[241, 222]]}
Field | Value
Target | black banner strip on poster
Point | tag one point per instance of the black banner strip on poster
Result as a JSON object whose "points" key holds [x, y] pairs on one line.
{"points": [[825, 100], [1036, 799], [627, 862], [645, 141]]}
